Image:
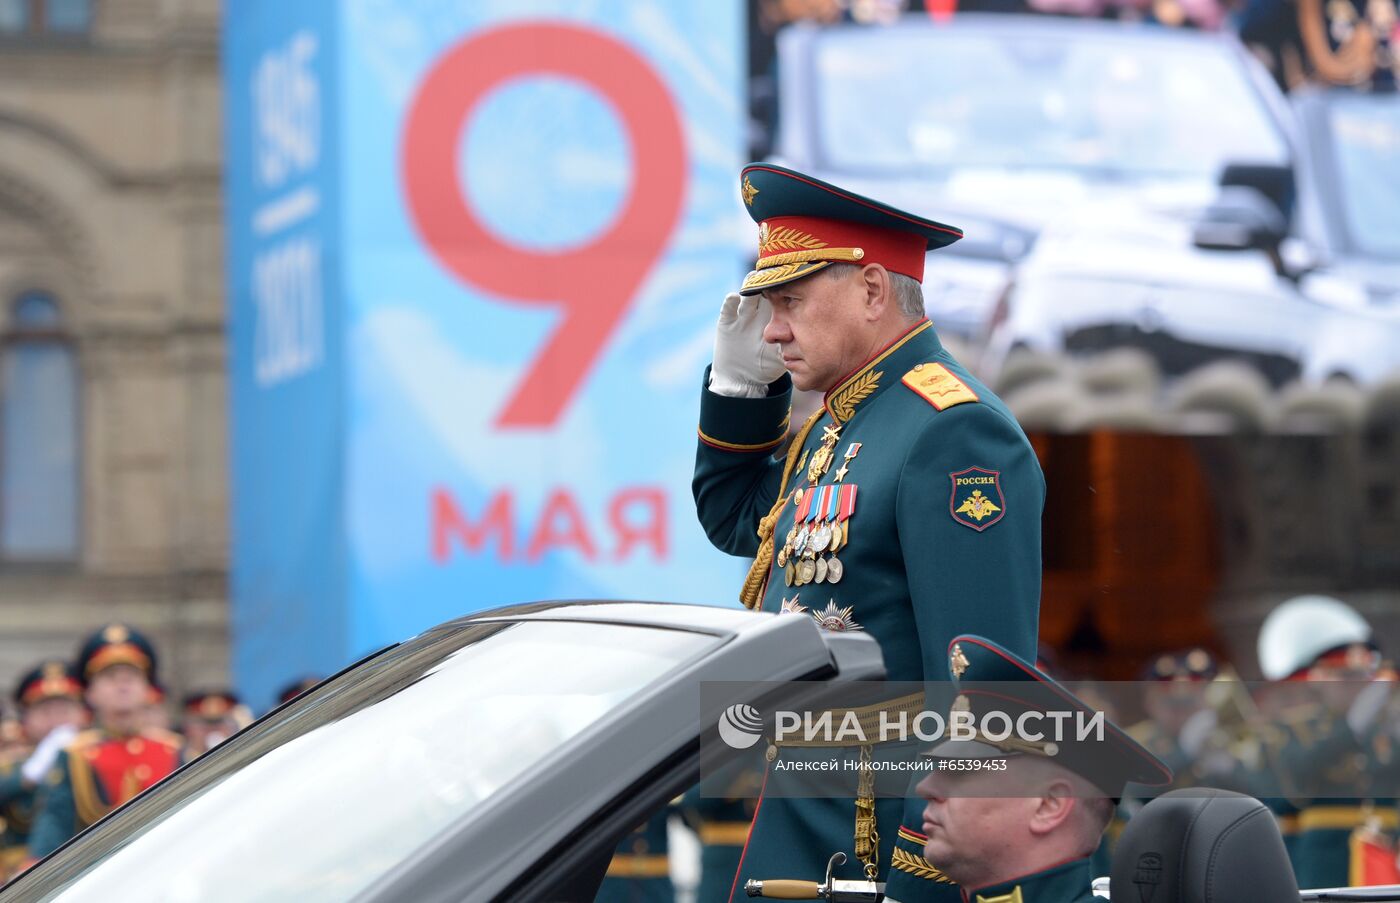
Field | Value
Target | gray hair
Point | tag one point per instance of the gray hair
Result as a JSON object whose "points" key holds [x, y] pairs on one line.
{"points": [[908, 293]]}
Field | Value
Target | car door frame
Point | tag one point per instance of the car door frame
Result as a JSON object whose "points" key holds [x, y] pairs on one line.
{"points": [[542, 838]]}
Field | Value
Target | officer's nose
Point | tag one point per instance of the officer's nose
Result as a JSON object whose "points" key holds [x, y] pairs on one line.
{"points": [[930, 788], [777, 331]]}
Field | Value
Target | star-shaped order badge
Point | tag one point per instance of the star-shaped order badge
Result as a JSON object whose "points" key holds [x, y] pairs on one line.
{"points": [[833, 618], [976, 500], [792, 607]]}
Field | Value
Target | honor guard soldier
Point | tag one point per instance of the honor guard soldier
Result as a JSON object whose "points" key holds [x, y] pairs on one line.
{"points": [[720, 810], [105, 767], [211, 717], [296, 688], [640, 870], [1016, 818], [1174, 697], [1338, 754], [907, 506], [50, 700]]}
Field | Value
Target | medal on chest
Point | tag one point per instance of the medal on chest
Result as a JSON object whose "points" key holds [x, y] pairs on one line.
{"points": [[820, 527], [822, 457]]}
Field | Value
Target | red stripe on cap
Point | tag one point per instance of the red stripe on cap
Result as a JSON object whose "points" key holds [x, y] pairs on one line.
{"points": [[896, 251]]}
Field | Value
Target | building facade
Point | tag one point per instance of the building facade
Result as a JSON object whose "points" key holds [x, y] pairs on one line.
{"points": [[113, 423]]}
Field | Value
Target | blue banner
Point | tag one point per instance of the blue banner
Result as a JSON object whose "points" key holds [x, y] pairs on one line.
{"points": [[531, 219]]}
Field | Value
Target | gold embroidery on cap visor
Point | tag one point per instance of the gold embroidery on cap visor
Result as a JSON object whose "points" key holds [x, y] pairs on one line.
{"points": [[780, 268], [768, 277]]}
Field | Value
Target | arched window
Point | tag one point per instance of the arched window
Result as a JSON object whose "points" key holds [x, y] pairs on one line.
{"points": [[39, 473]]}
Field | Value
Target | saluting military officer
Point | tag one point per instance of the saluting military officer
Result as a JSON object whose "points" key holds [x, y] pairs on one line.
{"points": [[107, 766], [1017, 818], [1174, 697], [50, 700], [908, 506]]}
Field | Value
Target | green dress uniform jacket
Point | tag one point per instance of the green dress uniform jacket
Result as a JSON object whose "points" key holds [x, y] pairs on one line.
{"points": [[1348, 781], [933, 498], [1068, 883], [640, 870], [96, 773], [720, 811], [16, 812]]}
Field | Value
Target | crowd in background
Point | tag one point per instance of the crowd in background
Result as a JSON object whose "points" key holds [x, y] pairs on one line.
{"points": [[1336, 42], [86, 736]]}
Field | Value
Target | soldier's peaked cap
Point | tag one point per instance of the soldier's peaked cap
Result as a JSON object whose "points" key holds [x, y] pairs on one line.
{"points": [[990, 678], [116, 644], [805, 224], [50, 679]]}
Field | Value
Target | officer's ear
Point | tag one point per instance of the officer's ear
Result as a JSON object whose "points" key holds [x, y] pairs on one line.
{"points": [[1056, 806], [879, 293]]}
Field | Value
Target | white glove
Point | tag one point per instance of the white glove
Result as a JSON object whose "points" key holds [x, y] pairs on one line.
{"points": [[41, 760], [744, 364], [1367, 705], [1196, 731]]}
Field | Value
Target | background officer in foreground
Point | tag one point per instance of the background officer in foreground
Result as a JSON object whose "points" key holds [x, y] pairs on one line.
{"points": [[107, 766], [50, 700], [908, 506], [1011, 820]]}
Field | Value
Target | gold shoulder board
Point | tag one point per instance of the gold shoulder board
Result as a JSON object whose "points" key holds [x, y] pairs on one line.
{"points": [[938, 386]]}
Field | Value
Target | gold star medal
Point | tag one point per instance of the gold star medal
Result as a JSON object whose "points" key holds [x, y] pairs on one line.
{"points": [[851, 451]]}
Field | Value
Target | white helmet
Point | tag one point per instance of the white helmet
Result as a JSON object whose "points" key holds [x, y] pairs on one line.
{"points": [[1300, 630]]}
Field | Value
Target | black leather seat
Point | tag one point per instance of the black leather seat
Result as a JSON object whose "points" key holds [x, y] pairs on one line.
{"points": [[1202, 846]]}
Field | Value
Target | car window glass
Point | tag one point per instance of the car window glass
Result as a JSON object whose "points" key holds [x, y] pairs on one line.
{"points": [[932, 101], [1366, 143], [322, 809]]}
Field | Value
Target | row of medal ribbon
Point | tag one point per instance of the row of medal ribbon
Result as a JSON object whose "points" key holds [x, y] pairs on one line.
{"points": [[820, 528]]}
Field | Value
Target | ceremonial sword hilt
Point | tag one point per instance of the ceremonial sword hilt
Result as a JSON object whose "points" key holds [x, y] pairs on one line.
{"points": [[832, 890]]}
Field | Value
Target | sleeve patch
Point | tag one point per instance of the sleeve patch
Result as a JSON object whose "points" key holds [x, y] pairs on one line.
{"points": [[935, 384], [976, 500]]}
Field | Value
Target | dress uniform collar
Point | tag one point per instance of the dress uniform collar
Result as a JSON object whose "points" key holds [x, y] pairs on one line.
{"points": [[1063, 883], [881, 371]]}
